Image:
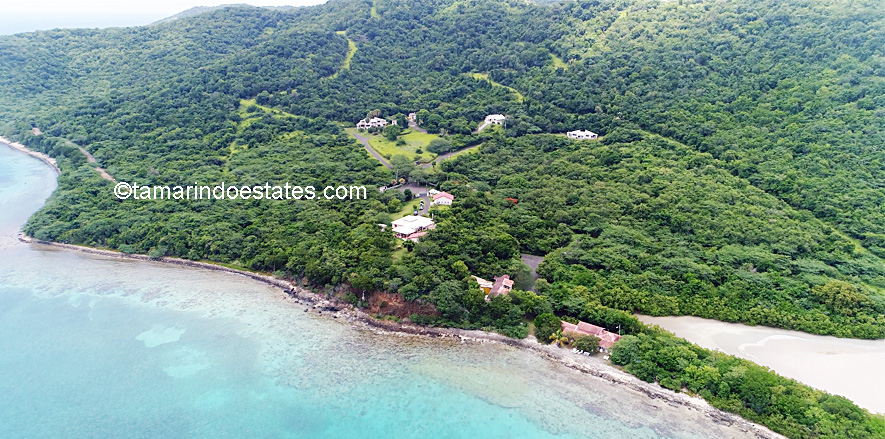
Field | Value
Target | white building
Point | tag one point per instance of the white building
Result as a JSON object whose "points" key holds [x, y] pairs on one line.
{"points": [[497, 119], [412, 227], [375, 122], [581, 135], [442, 199], [413, 117]]}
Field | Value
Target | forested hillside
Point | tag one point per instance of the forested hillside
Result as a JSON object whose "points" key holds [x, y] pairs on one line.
{"points": [[739, 174], [650, 225], [739, 178]]}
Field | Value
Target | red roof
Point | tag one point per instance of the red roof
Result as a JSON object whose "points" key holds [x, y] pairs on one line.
{"points": [[606, 339], [503, 285], [443, 195], [590, 329], [512, 200], [416, 235], [569, 327]]}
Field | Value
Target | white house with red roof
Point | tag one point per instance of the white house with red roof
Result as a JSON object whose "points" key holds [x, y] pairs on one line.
{"points": [[442, 199]]}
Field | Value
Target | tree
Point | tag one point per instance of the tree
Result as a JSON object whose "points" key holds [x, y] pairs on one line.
{"points": [[422, 116], [439, 146], [559, 338], [402, 165], [447, 298], [391, 132], [418, 175], [460, 270], [839, 296], [522, 276], [394, 205], [546, 325]]}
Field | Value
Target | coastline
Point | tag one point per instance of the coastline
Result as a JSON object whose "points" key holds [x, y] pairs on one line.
{"points": [[25, 150], [361, 320]]}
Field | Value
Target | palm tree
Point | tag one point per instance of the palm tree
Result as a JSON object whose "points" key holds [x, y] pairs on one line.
{"points": [[559, 338]]}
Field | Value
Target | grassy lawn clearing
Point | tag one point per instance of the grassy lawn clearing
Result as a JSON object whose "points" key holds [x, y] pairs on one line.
{"points": [[558, 62], [351, 51], [415, 140], [409, 208]]}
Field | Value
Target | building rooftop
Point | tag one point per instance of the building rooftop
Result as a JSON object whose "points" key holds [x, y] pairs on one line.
{"points": [[503, 285], [413, 221], [410, 224], [606, 339], [439, 195], [483, 283], [415, 236]]}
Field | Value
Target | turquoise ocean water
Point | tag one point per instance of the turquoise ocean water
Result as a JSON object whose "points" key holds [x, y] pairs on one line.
{"points": [[97, 347]]}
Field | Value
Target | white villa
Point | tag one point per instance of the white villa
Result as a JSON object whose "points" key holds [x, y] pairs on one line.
{"points": [[372, 123], [413, 117], [581, 135], [497, 119], [411, 227]]}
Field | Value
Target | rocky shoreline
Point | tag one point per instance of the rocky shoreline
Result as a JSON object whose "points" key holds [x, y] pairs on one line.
{"points": [[357, 318]]}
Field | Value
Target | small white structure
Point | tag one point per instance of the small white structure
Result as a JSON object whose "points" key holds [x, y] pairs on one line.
{"points": [[442, 199], [413, 117], [496, 119], [581, 135], [484, 285], [412, 227], [375, 122]]}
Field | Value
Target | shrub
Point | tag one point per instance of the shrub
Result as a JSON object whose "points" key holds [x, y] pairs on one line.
{"points": [[586, 343], [157, 252]]}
